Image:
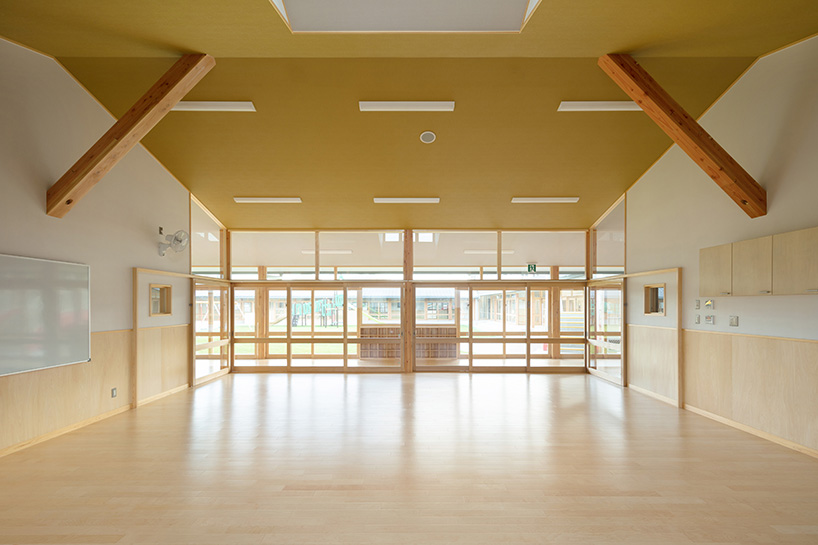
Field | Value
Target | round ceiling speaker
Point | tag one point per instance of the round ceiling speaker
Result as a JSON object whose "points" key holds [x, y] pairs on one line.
{"points": [[427, 137]]}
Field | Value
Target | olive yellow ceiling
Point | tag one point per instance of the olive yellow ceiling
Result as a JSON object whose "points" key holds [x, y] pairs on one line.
{"points": [[504, 139], [558, 28]]}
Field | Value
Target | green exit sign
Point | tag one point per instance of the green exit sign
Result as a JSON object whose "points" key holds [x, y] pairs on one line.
{"points": [[532, 267]]}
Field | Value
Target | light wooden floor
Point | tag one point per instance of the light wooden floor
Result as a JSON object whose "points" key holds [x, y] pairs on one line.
{"points": [[410, 459]]}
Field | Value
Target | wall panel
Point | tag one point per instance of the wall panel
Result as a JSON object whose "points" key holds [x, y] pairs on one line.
{"points": [[766, 383], [163, 360], [39, 403], [708, 371], [653, 359]]}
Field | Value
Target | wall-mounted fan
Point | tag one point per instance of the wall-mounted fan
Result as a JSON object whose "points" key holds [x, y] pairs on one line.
{"points": [[177, 242]]}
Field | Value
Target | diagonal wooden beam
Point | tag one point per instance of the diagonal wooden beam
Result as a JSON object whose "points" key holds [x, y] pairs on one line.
{"points": [[126, 133], [687, 133]]}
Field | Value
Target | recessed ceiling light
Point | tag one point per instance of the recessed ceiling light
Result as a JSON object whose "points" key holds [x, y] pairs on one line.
{"points": [[267, 200], [427, 137], [406, 200], [544, 200], [406, 105], [213, 106], [327, 252], [487, 252], [599, 106]]}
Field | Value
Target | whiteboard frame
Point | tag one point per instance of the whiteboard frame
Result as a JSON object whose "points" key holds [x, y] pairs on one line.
{"points": [[89, 315]]}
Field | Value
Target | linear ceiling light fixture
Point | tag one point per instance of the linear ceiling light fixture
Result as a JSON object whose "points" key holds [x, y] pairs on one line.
{"points": [[406, 105], [599, 106], [213, 106], [267, 200], [406, 200], [544, 200]]}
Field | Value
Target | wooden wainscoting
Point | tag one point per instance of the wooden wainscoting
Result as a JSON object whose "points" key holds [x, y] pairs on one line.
{"points": [[162, 361], [653, 361], [759, 384], [39, 405]]}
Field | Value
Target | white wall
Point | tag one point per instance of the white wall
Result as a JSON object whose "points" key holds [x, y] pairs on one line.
{"points": [[47, 121], [768, 121]]}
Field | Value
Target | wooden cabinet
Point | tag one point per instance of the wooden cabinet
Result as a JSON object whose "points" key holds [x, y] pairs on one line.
{"points": [[716, 271], [753, 266], [795, 262]]}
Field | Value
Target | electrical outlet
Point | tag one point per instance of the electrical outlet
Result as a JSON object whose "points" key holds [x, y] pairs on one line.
{"points": [[734, 321], [698, 305], [698, 319], [113, 392]]}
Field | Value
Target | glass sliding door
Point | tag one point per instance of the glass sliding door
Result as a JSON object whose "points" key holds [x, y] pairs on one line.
{"points": [[211, 324], [499, 327], [441, 336], [374, 325], [605, 330], [317, 328]]}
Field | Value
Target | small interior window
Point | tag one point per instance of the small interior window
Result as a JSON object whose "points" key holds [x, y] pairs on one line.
{"points": [[160, 300], [655, 299]]}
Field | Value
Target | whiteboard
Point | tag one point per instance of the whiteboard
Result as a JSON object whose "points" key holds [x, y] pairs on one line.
{"points": [[44, 314]]}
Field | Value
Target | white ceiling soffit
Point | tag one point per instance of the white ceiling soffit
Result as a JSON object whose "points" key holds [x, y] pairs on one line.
{"points": [[405, 15]]}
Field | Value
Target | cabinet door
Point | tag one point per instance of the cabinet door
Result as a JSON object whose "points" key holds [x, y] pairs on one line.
{"points": [[753, 266], [716, 271], [795, 262]]}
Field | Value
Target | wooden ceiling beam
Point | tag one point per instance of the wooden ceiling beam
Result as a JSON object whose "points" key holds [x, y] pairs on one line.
{"points": [[126, 133], [687, 133]]}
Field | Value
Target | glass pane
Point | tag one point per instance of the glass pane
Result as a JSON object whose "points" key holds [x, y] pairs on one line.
{"points": [[372, 352], [328, 312], [609, 243], [606, 354], [454, 255], [572, 312], [245, 351], [277, 312], [244, 273], [450, 273], [209, 316], [354, 304], [572, 273], [487, 311], [361, 255], [606, 309], [370, 273], [205, 243], [268, 355], [464, 306], [318, 355], [287, 255], [244, 306], [557, 355], [301, 312], [542, 250], [441, 353], [539, 312], [290, 273], [211, 360], [516, 311], [381, 306], [498, 354], [435, 306]]}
